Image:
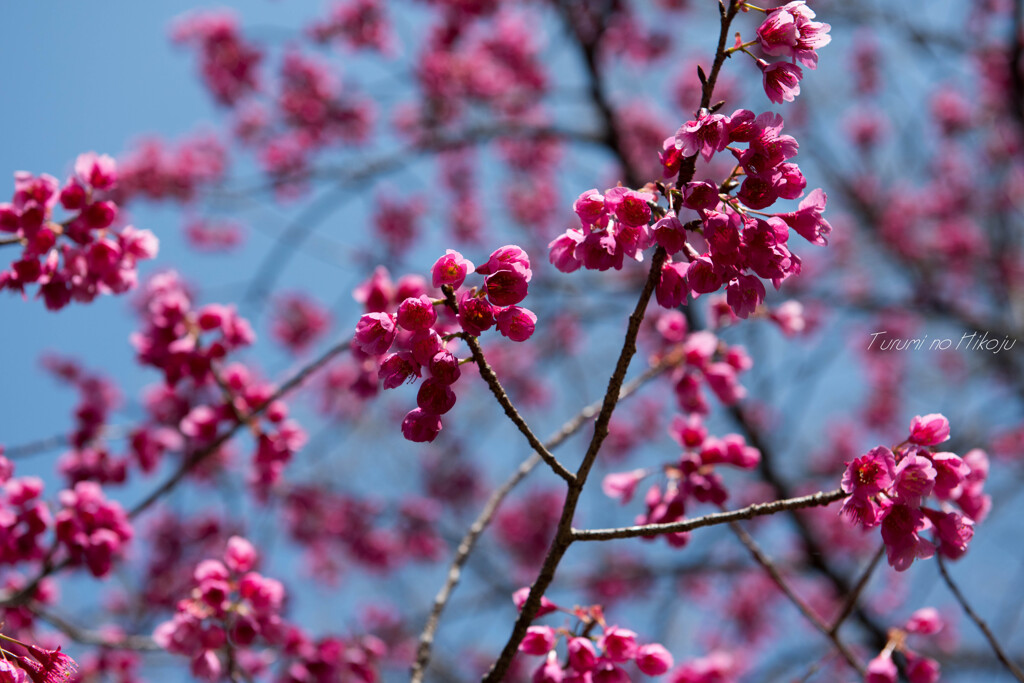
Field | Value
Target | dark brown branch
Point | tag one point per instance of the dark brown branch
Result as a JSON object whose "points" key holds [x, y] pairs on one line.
{"points": [[979, 622], [502, 397], [564, 534], [468, 542], [750, 512]]}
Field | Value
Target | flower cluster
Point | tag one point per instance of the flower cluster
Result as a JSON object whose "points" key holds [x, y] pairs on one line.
{"points": [[88, 457], [588, 657], [92, 258], [789, 31], [298, 322], [693, 475], [358, 24], [155, 170], [919, 669], [198, 398], [24, 517], [339, 531], [93, 530], [228, 64], [230, 607], [415, 336], [740, 246], [888, 487]]}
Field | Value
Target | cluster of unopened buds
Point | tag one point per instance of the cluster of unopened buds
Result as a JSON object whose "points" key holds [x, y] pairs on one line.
{"points": [[416, 336], [888, 488], [82, 257], [919, 669], [231, 608], [36, 665], [588, 657]]}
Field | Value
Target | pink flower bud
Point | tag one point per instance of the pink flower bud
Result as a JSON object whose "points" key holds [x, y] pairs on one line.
{"points": [[516, 323], [582, 654], [618, 644], [451, 269], [240, 555], [539, 640], [416, 313], [622, 485], [926, 622], [653, 659], [929, 430], [420, 426], [375, 332]]}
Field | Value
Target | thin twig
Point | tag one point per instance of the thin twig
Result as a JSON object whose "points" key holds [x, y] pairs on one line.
{"points": [[88, 637], [499, 393], [851, 599], [426, 641], [750, 512], [979, 622], [564, 533], [766, 562]]}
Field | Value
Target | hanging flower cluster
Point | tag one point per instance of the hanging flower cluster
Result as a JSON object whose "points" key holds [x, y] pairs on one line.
{"points": [[82, 257], [414, 336], [888, 488]]}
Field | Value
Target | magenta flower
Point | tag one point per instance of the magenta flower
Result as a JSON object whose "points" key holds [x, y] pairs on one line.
{"points": [[416, 313], [929, 430], [950, 475], [511, 258], [673, 289], [435, 397], [953, 531], [629, 206], [781, 81], [864, 479], [444, 367], [451, 269], [516, 323], [922, 669], [622, 485], [591, 209], [475, 315], [375, 333], [618, 644], [807, 220], [539, 640], [901, 530], [707, 135], [789, 31], [744, 295], [398, 368], [653, 659], [420, 426], [915, 479], [506, 287], [926, 621], [562, 251], [881, 669], [582, 654]]}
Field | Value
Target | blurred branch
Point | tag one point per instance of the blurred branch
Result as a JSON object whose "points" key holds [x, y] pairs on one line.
{"points": [[979, 622], [751, 545], [88, 637]]}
